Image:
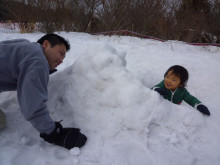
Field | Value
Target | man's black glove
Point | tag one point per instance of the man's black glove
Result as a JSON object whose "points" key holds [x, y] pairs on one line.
{"points": [[203, 109], [161, 91], [65, 137]]}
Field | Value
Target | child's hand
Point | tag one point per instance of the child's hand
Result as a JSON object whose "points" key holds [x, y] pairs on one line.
{"points": [[161, 91], [203, 109]]}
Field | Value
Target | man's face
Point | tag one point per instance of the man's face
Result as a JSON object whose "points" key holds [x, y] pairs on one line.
{"points": [[54, 55]]}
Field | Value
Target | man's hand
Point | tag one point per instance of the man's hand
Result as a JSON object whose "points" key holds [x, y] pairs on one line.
{"points": [[65, 137]]}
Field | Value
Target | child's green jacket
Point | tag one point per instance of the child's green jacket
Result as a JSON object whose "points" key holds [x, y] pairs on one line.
{"points": [[178, 95]]}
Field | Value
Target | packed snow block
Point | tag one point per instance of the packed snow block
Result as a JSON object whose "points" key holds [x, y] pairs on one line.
{"points": [[101, 86], [121, 55]]}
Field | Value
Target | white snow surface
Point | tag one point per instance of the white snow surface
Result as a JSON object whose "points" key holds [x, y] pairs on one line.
{"points": [[104, 87]]}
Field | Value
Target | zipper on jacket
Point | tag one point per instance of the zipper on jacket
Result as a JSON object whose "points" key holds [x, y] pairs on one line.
{"points": [[172, 92]]}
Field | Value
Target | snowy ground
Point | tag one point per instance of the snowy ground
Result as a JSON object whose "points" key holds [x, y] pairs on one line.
{"points": [[103, 87]]}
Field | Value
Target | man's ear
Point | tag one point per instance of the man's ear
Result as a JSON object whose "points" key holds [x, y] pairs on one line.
{"points": [[45, 44]]}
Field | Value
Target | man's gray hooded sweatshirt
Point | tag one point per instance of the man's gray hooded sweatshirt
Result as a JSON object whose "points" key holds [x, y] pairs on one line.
{"points": [[25, 69]]}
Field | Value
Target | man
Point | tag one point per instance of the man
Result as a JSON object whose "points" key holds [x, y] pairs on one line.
{"points": [[25, 67]]}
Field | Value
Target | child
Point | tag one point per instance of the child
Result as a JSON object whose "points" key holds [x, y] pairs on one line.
{"points": [[173, 88]]}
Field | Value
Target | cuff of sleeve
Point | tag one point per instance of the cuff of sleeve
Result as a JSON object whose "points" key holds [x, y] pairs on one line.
{"points": [[154, 88], [196, 105], [43, 124]]}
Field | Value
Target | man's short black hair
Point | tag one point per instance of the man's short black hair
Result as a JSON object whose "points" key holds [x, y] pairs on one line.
{"points": [[180, 72], [54, 40]]}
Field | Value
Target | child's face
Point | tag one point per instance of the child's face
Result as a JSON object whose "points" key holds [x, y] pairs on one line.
{"points": [[171, 81]]}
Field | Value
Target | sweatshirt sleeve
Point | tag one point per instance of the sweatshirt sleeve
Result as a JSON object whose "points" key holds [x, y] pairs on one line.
{"points": [[32, 94], [190, 99]]}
